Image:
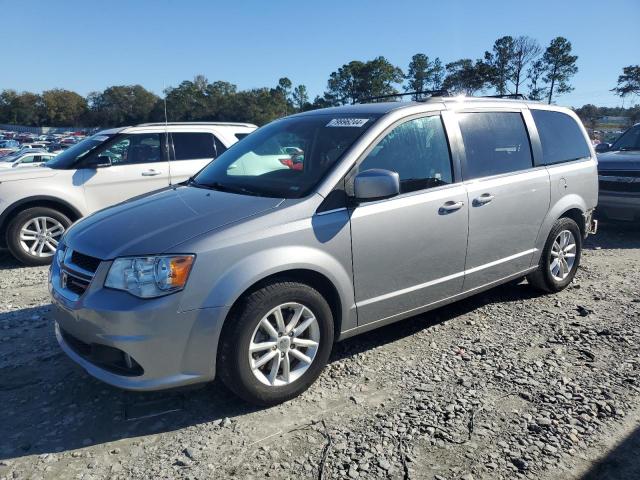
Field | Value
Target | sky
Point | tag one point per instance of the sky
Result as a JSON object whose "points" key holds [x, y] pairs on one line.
{"points": [[89, 45]]}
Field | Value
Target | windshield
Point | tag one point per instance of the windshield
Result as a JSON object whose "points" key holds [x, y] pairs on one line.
{"points": [[629, 140], [11, 158], [286, 158], [68, 157]]}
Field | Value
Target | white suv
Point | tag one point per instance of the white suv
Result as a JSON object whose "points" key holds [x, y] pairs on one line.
{"points": [[38, 204], [26, 158]]}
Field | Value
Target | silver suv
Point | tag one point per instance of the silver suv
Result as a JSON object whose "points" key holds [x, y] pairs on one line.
{"points": [[318, 227]]}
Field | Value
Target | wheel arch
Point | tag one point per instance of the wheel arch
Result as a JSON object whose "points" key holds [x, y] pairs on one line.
{"points": [[35, 201], [570, 206], [310, 277], [577, 215]]}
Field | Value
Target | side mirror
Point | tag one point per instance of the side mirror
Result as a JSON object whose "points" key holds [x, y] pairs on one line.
{"points": [[98, 162], [603, 147], [376, 184]]}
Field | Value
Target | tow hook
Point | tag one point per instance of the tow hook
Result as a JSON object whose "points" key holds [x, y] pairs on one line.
{"points": [[591, 224]]}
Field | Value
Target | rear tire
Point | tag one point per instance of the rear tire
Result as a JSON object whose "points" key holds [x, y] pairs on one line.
{"points": [[34, 233], [560, 257], [285, 342]]}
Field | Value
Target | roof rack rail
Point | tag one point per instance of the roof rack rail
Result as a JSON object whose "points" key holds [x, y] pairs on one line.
{"points": [[161, 124], [513, 96], [431, 93]]}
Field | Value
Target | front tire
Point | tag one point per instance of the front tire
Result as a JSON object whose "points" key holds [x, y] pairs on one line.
{"points": [[276, 344], [34, 233], [560, 257]]}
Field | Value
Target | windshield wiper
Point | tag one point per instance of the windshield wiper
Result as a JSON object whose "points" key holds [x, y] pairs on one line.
{"points": [[628, 149], [223, 188]]}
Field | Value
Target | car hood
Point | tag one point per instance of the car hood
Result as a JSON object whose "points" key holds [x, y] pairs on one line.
{"points": [[25, 173], [619, 161], [153, 223]]}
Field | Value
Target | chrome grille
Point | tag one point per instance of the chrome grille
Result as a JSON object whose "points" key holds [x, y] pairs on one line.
{"points": [[77, 271], [627, 181], [90, 264]]}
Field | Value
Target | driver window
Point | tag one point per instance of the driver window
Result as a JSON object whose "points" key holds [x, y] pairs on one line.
{"points": [[418, 151], [134, 149]]}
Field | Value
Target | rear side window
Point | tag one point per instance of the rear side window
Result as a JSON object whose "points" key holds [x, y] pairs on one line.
{"points": [[561, 137], [418, 151], [195, 145], [494, 143], [240, 136]]}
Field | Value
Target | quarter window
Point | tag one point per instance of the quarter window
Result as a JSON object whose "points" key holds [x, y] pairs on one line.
{"points": [[561, 137], [494, 143], [418, 151], [195, 145]]}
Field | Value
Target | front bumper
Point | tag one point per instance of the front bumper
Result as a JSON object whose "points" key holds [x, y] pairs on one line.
{"points": [[172, 348], [619, 205]]}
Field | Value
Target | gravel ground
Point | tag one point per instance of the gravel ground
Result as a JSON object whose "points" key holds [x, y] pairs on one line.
{"points": [[507, 384]]}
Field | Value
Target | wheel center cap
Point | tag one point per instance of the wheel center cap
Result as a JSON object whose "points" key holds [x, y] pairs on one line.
{"points": [[284, 344]]}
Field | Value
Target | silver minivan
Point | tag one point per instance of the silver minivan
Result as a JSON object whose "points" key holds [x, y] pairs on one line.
{"points": [[318, 227]]}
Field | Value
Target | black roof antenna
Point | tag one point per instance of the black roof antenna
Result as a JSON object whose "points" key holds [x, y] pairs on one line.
{"points": [[166, 136]]}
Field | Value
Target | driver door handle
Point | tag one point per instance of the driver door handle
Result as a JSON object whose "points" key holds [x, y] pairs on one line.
{"points": [[150, 173]]}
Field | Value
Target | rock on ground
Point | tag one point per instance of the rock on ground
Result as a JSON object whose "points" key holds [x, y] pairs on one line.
{"points": [[507, 384]]}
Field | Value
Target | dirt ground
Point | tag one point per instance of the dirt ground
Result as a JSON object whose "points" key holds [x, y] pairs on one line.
{"points": [[507, 384]]}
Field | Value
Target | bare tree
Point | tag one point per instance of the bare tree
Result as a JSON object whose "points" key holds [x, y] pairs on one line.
{"points": [[525, 51]]}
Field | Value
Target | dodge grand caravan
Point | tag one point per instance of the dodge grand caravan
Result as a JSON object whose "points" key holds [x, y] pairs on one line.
{"points": [[315, 228]]}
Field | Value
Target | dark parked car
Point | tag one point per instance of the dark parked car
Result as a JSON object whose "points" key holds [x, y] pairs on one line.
{"points": [[619, 176]]}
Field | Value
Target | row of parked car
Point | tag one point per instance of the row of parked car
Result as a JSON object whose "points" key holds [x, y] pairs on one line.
{"points": [[249, 257], [11, 142]]}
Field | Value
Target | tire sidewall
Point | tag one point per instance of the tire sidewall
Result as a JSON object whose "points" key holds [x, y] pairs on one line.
{"points": [[247, 385], [559, 226], [13, 233]]}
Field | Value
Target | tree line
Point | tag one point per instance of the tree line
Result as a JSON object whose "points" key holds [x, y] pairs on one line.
{"points": [[513, 65]]}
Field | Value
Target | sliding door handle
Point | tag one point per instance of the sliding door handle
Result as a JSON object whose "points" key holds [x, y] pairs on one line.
{"points": [[451, 206], [483, 199]]}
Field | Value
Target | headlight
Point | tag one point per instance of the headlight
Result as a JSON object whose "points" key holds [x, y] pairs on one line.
{"points": [[148, 277]]}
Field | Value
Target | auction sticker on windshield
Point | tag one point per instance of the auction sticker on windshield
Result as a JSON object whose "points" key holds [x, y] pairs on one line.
{"points": [[347, 122]]}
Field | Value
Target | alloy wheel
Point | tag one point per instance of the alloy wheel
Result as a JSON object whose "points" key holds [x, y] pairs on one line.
{"points": [[284, 344], [563, 255], [39, 236]]}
